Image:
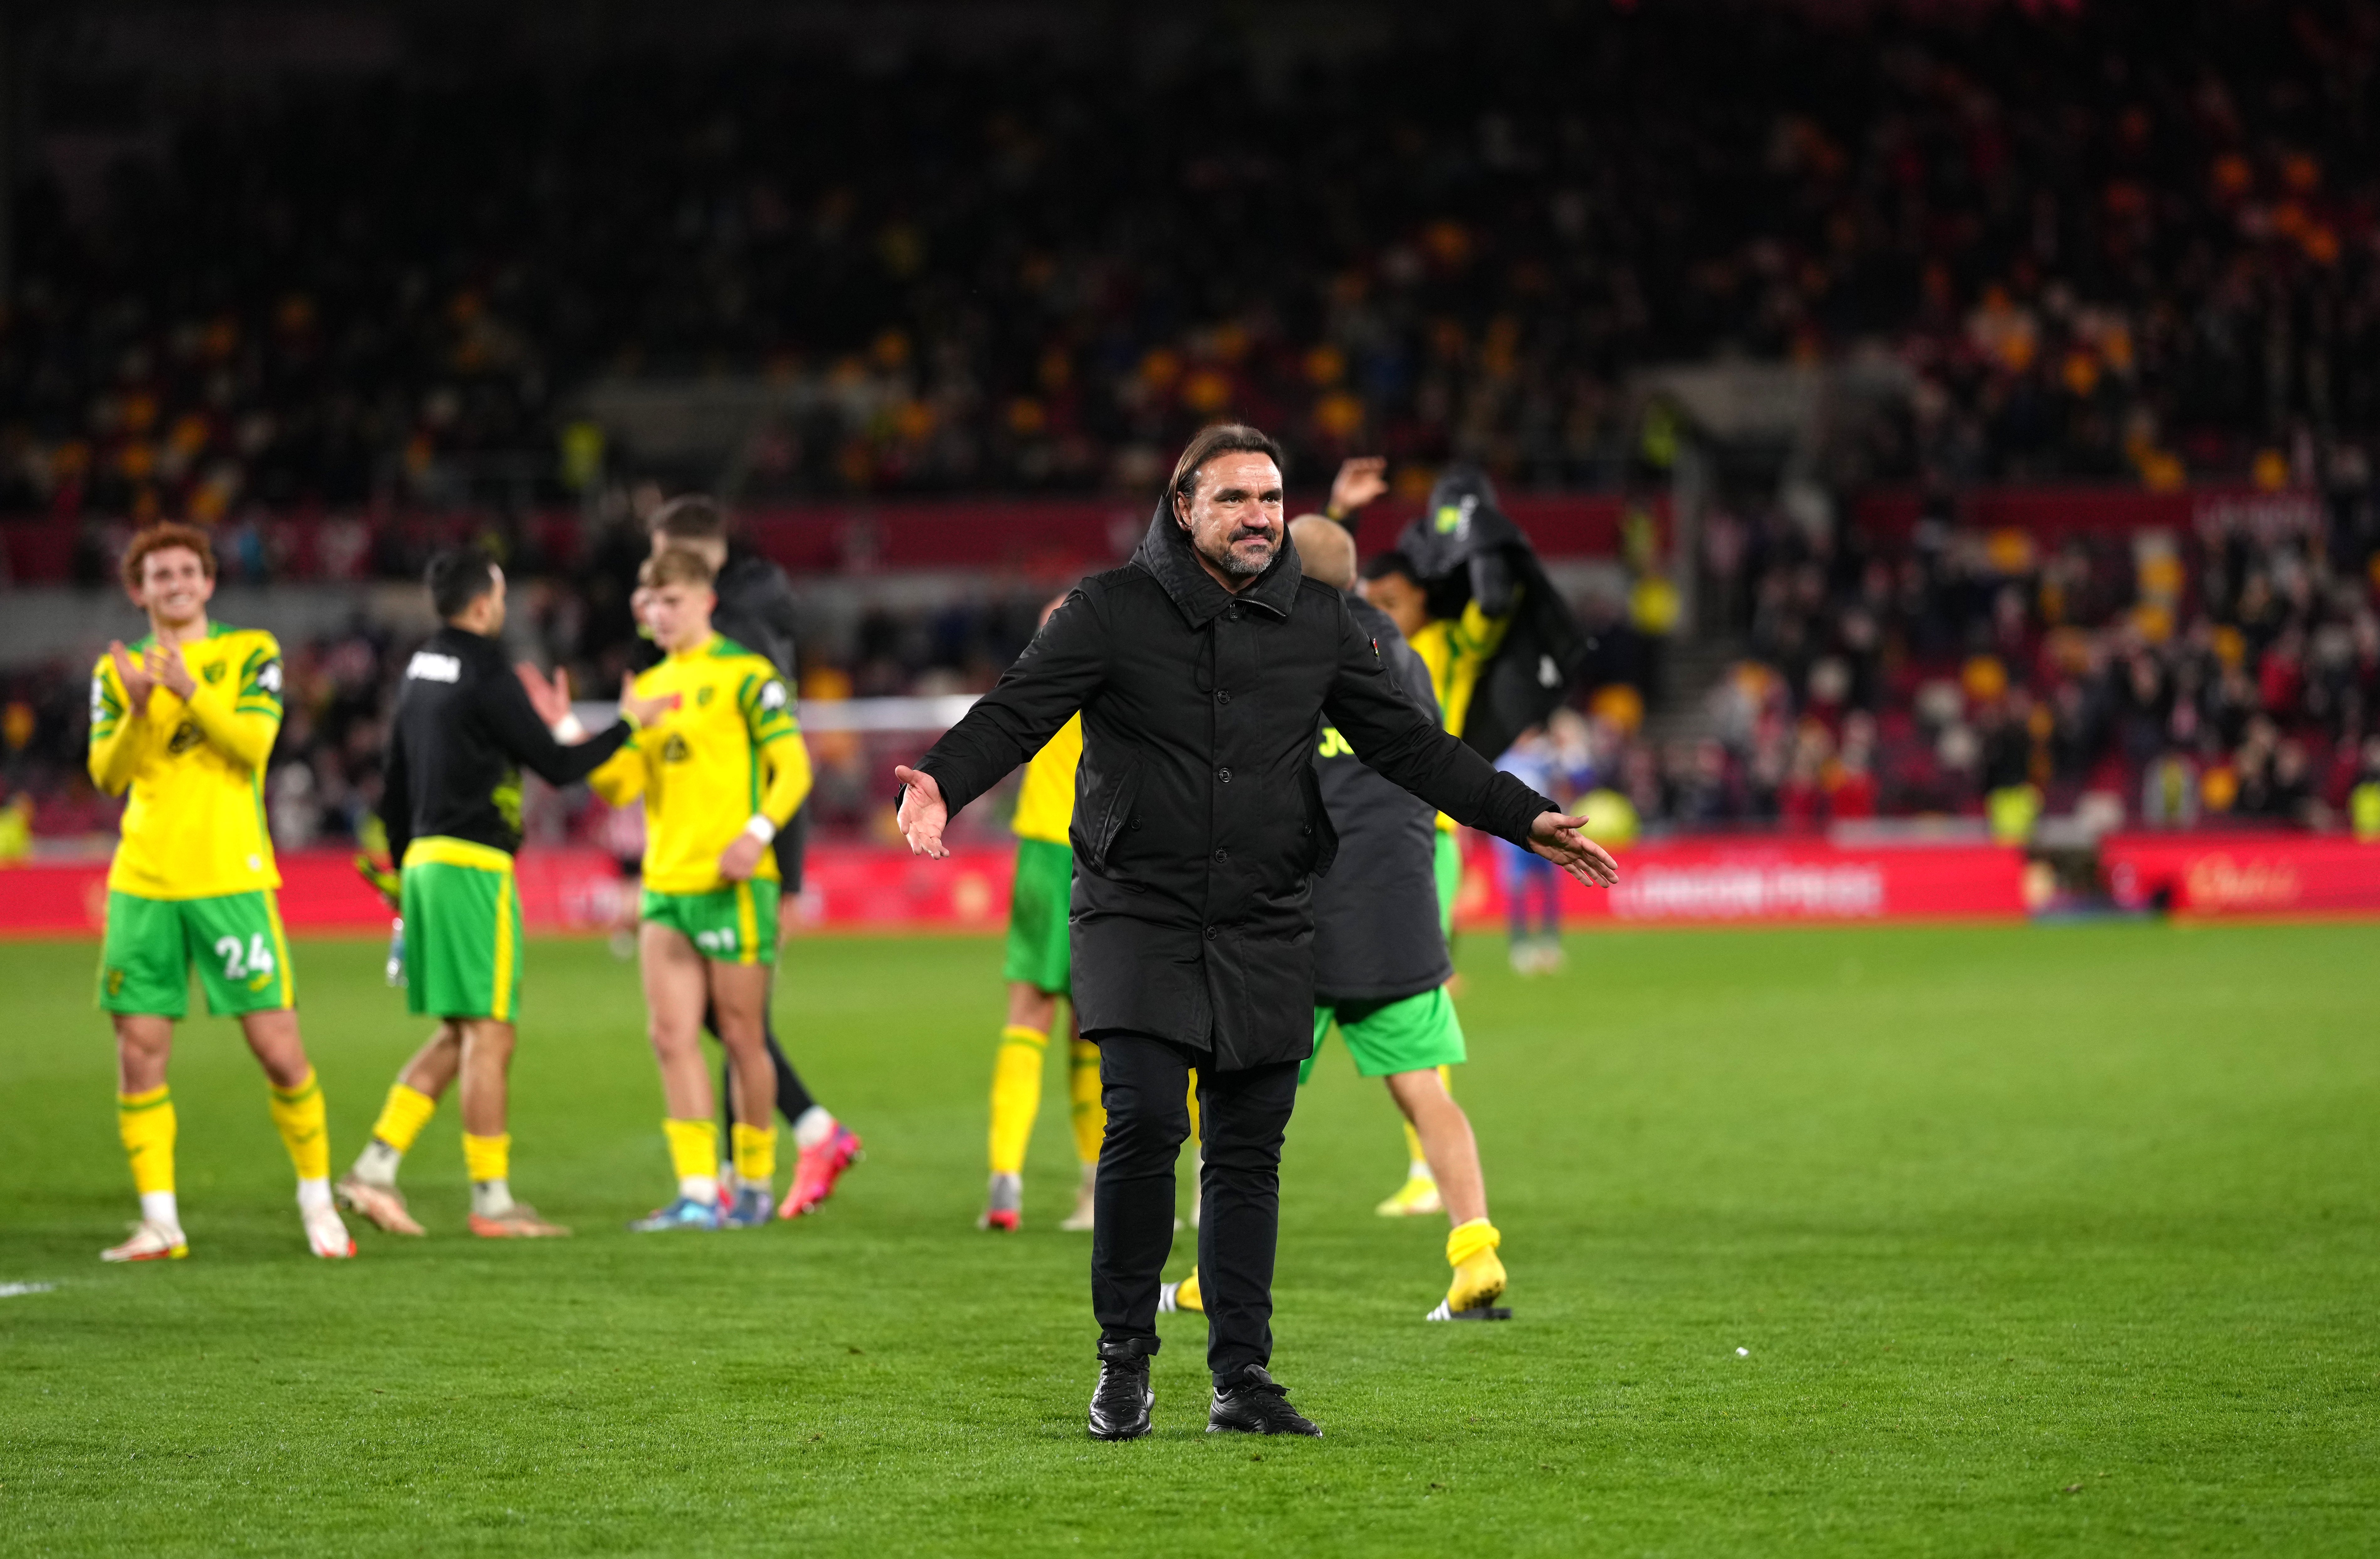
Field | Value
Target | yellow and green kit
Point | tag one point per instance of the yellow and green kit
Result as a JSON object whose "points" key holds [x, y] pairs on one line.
{"points": [[729, 750], [193, 878], [462, 930], [1042, 891]]}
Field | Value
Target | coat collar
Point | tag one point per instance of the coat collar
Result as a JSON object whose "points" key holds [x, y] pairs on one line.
{"points": [[1165, 552]]}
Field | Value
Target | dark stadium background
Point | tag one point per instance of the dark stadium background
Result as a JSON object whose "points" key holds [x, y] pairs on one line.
{"points": [[1955, 422]]}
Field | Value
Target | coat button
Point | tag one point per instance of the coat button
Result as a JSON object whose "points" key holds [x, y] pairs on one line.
{"points": [[1222, 854], [1222, 695], [1210, 934], [1224, 775]]}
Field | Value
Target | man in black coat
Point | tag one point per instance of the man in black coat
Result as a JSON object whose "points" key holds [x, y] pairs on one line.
{"points": [[1201, 669]]}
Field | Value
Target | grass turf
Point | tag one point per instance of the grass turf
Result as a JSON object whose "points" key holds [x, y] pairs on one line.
{"points": [[2039, 1241]]}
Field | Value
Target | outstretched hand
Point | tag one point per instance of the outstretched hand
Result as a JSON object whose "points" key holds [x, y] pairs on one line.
{"points": [[1557, 837], [550, 699], [1359, 482], [923, 815]]}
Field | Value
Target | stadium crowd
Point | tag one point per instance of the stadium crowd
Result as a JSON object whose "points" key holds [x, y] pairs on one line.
{"points": [[2232, 673], [2123, 240]]}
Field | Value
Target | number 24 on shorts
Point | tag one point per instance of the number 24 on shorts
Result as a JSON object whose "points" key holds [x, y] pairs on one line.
{"points": [[253, 961]]}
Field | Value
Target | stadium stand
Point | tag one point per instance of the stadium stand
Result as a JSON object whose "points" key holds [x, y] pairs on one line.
{"points": [[2088, 258]]}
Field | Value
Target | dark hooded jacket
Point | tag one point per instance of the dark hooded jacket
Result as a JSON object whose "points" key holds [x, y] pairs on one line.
{"points": [[1198, 820], [1376, 936], [1464, 548]]}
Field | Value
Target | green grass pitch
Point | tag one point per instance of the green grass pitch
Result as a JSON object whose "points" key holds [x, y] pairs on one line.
{"points": [[2038, 1239]]}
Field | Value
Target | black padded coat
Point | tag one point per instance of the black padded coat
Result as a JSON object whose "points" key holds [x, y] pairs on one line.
{"points": [[1198, 822]]}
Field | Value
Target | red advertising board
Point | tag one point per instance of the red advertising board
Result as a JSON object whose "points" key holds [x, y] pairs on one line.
{"points": [[2243, 874], [560, 890], [1723, 882], [1683, 882]]}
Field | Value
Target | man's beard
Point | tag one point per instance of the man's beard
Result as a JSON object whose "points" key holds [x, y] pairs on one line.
{"points": [[1236, 566]]}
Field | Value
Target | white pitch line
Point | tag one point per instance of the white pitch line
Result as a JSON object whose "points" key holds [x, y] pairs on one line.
{"points": [[10, 1290]]}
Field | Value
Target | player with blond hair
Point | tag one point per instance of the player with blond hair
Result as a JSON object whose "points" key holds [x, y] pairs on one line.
{"points": [[721, 769], [181, 725]]}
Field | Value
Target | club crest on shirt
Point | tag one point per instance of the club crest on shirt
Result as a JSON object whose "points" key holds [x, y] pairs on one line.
{"points": [[213, 673], [702, 697]]}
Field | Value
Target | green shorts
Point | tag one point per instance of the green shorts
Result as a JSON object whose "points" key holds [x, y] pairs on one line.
{"points": [[462, 930], [1410, 1034], [734, 924], [1449, 863], [236, 939], [1037, 907]]}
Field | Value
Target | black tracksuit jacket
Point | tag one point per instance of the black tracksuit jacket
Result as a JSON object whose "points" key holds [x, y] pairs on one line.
{"points": [[1198, 820], [1375, 918], [463, 731]]}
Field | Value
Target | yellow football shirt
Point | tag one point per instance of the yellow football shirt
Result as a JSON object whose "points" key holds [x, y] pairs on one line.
{"points": [[1456, 650], [194, 823], [1045, 802], [731, 748]]}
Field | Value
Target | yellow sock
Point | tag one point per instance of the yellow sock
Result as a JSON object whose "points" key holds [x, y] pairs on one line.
{"points": [[694, 1149], [756, 1153], [402, 1118], [145, 1121], [1478, 1275], [1083, 1089], [1188, 1296], [1016, 1096], [488, 1158], [305, 1130], [1466, 1240], [1195, 1135]]}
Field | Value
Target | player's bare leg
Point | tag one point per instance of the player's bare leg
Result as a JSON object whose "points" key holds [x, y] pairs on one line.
{"points": [[145, 1118], [298, 1112], [1454, 1154], [676, 986], [1418, 1197], [739, 996], [369, 1188]]}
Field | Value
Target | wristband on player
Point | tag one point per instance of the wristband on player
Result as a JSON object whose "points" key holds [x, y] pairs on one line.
{"points": [[568, 729], [759, 828]]}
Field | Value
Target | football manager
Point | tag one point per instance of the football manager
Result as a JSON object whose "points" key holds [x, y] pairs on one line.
{"points": [[1201, 669]]}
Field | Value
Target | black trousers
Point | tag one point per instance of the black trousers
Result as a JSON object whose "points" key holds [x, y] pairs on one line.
{"points": [[1241, 1116]]}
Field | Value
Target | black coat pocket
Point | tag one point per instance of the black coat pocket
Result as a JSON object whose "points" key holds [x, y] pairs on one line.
{"points": [[1104, 812]]}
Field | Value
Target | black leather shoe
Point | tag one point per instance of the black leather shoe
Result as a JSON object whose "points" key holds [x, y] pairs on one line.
{"points": [[1256, 1404], [1120, 1407]]}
